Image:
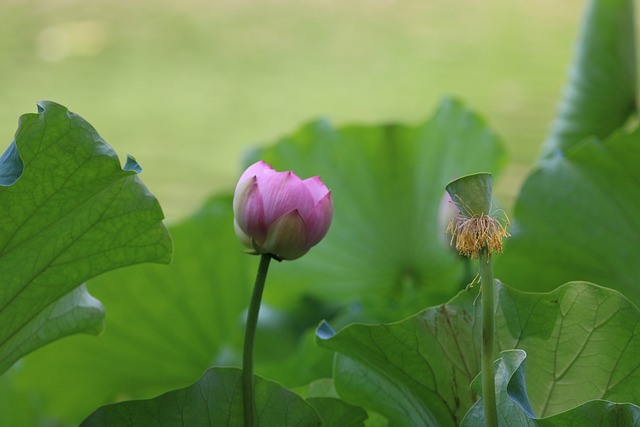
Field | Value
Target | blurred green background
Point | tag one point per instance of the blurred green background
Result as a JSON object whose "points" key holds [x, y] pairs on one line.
{"points": [[188, 86]]}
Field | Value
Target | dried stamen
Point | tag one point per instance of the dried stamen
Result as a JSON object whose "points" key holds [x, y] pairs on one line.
{"points": [[471, 235]]}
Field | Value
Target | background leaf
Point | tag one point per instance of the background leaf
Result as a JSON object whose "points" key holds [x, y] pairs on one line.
{"points": [[337, 413], [72, 214], [385, 248], [601, 92], [582, 342], [214, 400], [577, 215], [18, 407]]}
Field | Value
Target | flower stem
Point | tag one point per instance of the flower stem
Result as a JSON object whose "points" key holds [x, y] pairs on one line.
{"points": [[249, 337], [488, 381]]}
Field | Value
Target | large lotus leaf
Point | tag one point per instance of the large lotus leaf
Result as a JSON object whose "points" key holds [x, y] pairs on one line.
{"points": [[333, 411], [385, 246], [514, 407], [70, 212], [577, 219], [214, 400], [582, 341], [337, 413], [601, 92], [595, 413]]}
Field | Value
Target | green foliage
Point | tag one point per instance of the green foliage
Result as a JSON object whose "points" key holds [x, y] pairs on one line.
{"points": [[577, 215], [215, 400], [582, 341], [337, 413], [73, 212], [74, 312], [514, 407], [175, 322], [385, 247], [23, 408], [164, 329], [70, 212], [601, 93]]}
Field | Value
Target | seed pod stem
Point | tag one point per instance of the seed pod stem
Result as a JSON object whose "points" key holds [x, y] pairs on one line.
{"points": [[478, 234], [488, 324]]}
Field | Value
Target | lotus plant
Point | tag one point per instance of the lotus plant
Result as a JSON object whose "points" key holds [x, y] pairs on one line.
{"points": [[477, 234], [276, 215]]}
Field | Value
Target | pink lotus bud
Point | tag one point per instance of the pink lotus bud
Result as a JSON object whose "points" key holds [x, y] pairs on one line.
{"points": [[280, 214]]}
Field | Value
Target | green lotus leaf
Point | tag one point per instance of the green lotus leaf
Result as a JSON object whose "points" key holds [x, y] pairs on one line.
{"points": [[601, 92], [582, 342], [70, 212], [514, 407], [576, 218], [214, 400]]}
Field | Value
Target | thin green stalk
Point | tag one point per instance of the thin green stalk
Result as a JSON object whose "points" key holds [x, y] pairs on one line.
{"points": [[488, 326], [249, 337]]}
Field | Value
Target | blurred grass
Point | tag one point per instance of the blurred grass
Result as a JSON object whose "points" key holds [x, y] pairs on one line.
{"points": [[188, 86]]}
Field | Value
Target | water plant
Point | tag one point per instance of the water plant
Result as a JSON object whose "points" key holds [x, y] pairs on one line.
{"points": [[381, 323]]}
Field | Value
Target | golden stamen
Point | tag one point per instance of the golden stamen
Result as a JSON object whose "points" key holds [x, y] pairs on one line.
{"points": [[471, 235]]}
